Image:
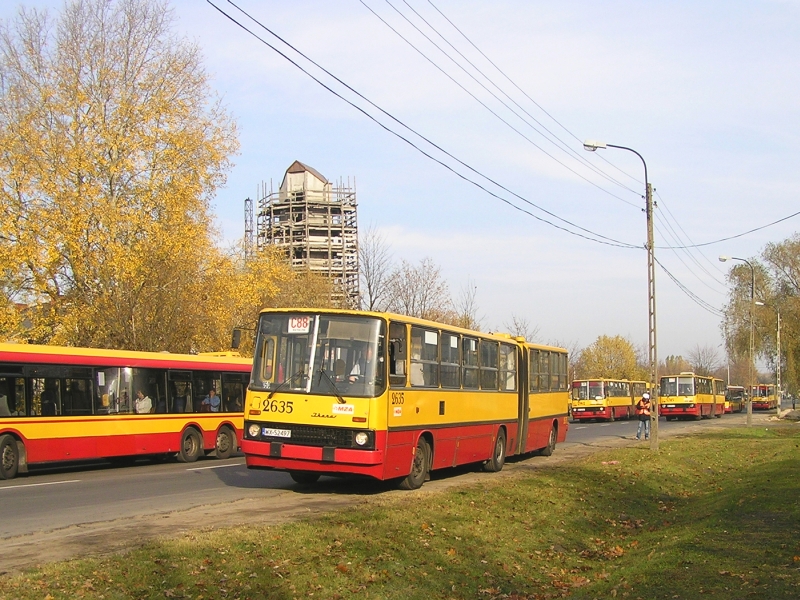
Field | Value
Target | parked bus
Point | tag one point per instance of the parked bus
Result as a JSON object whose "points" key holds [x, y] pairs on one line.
{"points": [[734, 399], [691, 395], [68, 404], [764, 397], [608, 399], [387, 396]]}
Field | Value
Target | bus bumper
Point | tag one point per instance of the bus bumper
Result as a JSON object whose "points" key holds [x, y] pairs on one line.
{"points": [[591, 412], [679, 410]]}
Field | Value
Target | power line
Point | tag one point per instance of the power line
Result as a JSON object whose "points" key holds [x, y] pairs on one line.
{"points": [[603, 239], [479, 101], [524, 93], [691, 295]]}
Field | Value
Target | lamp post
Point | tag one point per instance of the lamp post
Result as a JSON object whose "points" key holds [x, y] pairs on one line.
{"points": [[591, 146], [752, 338]]}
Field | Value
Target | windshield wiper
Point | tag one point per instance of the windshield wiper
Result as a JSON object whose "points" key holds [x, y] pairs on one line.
{"points": [[339, 397], [292, 378]]}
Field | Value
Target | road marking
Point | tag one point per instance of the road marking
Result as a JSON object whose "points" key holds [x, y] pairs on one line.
{"points": [[215, 467], [27, 485], [581, 427]]}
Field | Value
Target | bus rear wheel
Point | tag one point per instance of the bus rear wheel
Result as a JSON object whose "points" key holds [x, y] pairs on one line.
{"points": [[495, 464], [419, 466], [551, 443], [191, 446], [304, 477], [9, 457], [225, 442]]}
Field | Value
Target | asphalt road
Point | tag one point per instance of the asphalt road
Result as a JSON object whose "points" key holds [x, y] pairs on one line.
{"points": [[53, 513]]}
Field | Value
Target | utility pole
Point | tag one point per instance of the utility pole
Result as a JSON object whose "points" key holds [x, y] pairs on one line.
{"points": [[651, 301], [778, 363]]}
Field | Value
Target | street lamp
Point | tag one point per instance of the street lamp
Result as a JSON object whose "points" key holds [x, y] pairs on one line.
{"points": [[591, 146], [752, 338]]}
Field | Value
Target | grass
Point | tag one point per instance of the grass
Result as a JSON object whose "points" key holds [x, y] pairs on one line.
{"points": [[707, 516]]}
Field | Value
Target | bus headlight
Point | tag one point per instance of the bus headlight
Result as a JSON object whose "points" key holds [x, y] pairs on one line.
{"points": [[361, 438], [253, 430]]}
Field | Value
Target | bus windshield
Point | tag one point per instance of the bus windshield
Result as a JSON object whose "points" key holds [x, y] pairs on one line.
{"points": [[347, 354], [677, 386], [587, 390]]}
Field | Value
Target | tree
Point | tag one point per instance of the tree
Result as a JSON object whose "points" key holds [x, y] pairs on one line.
{"points": [[704, 360], [113, 145], [466, 307], [520, 326], [420, 291], [611, 357], [375, 263], [675, 364]]}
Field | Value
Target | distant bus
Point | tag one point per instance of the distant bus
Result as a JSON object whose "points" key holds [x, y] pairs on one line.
{"points": [[691, 396], [763, 396], [734, 399], [69, 404], [388, 396], [607, 399]]}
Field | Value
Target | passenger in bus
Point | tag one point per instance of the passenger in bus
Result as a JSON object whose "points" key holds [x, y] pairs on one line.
{"points": [[363, 367], [4, 411], [211, 402], [143, 403], [49, 398]]}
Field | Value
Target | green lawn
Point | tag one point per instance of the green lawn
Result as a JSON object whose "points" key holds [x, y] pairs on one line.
{"points": [[717, 515]]}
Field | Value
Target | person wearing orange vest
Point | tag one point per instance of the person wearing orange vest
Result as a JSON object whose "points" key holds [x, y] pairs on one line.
{"points": [[643, 410]]}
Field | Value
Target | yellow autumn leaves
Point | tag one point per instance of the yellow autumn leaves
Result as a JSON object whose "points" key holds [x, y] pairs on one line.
{"points": [[112, 146]]}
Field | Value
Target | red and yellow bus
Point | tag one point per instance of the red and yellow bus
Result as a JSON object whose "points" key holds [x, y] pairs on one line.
{"points": [[734, 399], [393, 397], [608, 399], [69, 404], [691, 395], [763, 396]]}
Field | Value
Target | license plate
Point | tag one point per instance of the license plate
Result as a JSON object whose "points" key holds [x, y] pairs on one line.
{"points": [[580, 409], [282, 433], [670, 406]]}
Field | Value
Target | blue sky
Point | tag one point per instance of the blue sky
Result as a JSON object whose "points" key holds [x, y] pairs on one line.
{"points": [[705, 91]]}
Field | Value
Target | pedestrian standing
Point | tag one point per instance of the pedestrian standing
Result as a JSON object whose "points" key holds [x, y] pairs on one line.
{"points": [[643, 411]]}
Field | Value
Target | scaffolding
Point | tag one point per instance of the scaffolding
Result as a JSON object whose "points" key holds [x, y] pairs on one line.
{"points": [[316, 224]]}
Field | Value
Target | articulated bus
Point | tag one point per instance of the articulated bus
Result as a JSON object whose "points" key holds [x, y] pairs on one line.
{"points": [[608, 399], [734, 399], [70, 404], [387, 396], [764, 397], [691, 395]]}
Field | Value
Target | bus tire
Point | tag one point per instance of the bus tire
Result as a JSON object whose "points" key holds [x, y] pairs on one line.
{"points": [[9, 457], [551, 443], [191, 446], [225, 443], [419, 466], [304, 477], [495, 464]]}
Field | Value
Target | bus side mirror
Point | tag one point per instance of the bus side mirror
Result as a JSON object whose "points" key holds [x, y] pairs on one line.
{"points": [[398, 349], [236, 338]]}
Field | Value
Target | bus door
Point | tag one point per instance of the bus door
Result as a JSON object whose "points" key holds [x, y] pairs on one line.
{"points": [[523, 391]]}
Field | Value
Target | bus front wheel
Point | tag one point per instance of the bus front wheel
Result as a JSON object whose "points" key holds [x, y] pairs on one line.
{"points": [[191, 446], [495, 464], [225, 442], [9, 457], [419, 466]]}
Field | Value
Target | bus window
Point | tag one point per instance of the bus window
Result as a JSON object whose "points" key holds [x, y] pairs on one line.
{"points": [[77, 398], [469, 363], [533, 371], [397, 354], [544, 371], [450, 367], [508, 367], [46, 396], [489, 356], [424, 357], [685, 386], [233, 385]]}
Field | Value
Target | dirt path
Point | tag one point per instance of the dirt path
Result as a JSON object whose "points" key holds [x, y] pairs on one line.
{"points": [[107, 537]]}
